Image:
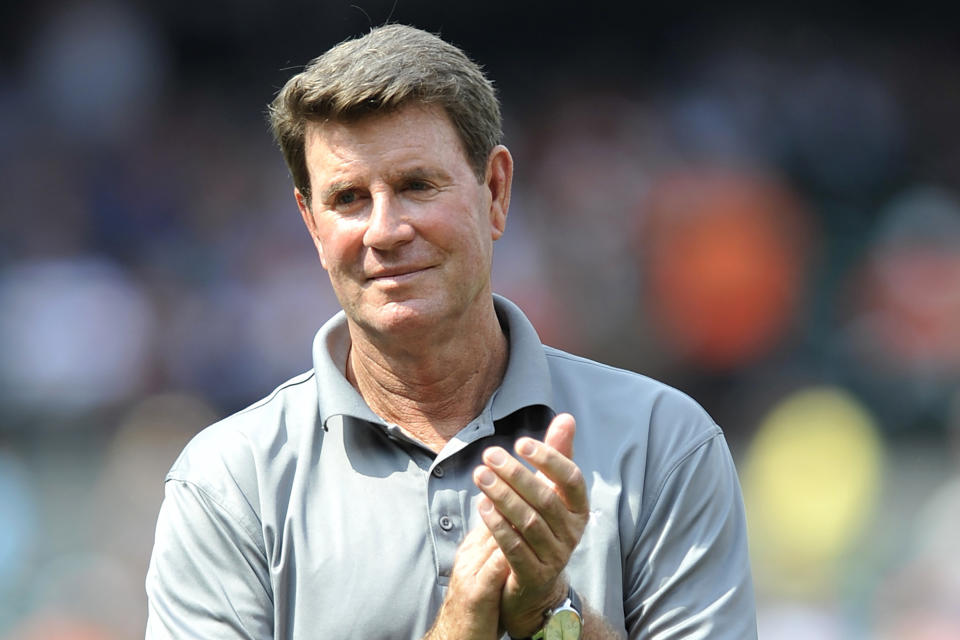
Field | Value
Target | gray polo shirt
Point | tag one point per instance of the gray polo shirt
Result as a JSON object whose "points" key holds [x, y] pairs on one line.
{"points": [[307, 516]]}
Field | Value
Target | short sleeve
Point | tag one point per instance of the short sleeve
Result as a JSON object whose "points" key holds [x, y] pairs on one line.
{"points": [[208, 575], [688, 572]]}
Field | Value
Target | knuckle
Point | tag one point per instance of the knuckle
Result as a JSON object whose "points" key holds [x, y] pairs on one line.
{"points": [[506, 503], [552, 506], [530, 524], [513, 546], [491, 518], [497, 519], [548, 497], [575, 477], [513, 473]]}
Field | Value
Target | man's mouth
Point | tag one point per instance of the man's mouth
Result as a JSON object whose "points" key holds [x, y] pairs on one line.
{"points": [[397, 274]]}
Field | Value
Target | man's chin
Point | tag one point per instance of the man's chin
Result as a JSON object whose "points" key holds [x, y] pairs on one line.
{"points": [[402, 317], [406, 317]]}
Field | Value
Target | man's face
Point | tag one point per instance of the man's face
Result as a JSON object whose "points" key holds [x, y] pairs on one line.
{"points": [[402, 225]]}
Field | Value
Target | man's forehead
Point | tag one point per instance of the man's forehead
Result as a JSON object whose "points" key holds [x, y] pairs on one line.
{"points": [[421, 129], [432, 114]]}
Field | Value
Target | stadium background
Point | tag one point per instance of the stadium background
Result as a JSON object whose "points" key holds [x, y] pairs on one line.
{"points": [[761, 207]]}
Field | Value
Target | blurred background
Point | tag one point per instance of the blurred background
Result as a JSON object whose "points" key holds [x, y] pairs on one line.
{"points": [[759, 207]]}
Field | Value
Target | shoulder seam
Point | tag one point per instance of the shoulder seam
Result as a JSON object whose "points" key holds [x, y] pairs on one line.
{"points": [[256, 536], [552, 352], [709, 436]]}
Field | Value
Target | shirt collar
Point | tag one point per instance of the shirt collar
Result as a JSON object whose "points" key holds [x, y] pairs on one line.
{"points": [[525, 383]]}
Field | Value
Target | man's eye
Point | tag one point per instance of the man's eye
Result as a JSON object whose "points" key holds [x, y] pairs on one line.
{"points": [[417, 185], [346, 197]]}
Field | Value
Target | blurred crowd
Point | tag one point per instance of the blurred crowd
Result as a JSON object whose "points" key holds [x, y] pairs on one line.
{"points": [[763, 214]]}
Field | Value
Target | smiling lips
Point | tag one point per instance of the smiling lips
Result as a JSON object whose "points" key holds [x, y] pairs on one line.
{"points": [[397, 273]]}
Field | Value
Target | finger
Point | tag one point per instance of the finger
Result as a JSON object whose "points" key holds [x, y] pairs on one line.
{"points": [[495, 568], [516, 551], [560, 434], [478, 537], [479, 570], [475, 561], [536, 490], [475, 548], [562, 472], [527, 504]]}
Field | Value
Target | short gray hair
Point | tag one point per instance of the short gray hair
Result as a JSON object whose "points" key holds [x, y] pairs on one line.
{"points": [[386, 69]]}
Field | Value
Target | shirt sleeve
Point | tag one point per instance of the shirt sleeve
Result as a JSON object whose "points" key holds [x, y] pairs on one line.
{"points": [[208, 575], [688, 572]]}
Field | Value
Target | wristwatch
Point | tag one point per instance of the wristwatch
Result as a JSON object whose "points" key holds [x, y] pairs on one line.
{"points": [[564, 622]]}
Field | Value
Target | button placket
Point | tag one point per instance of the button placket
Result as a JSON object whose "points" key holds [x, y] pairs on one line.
{"points": [[445, 513]]}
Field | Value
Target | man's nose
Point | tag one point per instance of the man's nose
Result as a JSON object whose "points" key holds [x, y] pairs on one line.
{"points": [[388, 225]]}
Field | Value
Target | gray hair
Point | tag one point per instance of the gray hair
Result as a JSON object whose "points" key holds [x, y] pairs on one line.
{"points": [[386, 69]]}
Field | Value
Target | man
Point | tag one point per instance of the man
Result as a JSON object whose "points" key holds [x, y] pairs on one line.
{"points": [[440, 473]]}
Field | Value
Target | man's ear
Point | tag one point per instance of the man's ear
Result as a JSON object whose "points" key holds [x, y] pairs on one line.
{"points": [[498, 180], [308, 219]]}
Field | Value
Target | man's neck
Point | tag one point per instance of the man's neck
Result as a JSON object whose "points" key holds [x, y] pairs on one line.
{"points": [[433, 391]]}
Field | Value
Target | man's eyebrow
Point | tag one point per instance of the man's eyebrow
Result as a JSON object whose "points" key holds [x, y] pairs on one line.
{"points": [[335, 188], [415, 173]]}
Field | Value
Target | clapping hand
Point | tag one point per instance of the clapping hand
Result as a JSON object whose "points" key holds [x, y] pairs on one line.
{"points": [[536, 519]]}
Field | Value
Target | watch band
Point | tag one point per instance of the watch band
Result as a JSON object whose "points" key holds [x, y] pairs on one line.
{"points": [[563, 621]]}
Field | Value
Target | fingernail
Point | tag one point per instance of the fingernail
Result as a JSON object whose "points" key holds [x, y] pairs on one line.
{"points": [[485, 505], [526, 447], [496, 457], [486, 478]]}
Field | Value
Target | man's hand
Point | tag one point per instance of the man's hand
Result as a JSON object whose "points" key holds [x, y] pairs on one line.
{"points": [[471, 609], [537, 520]]}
